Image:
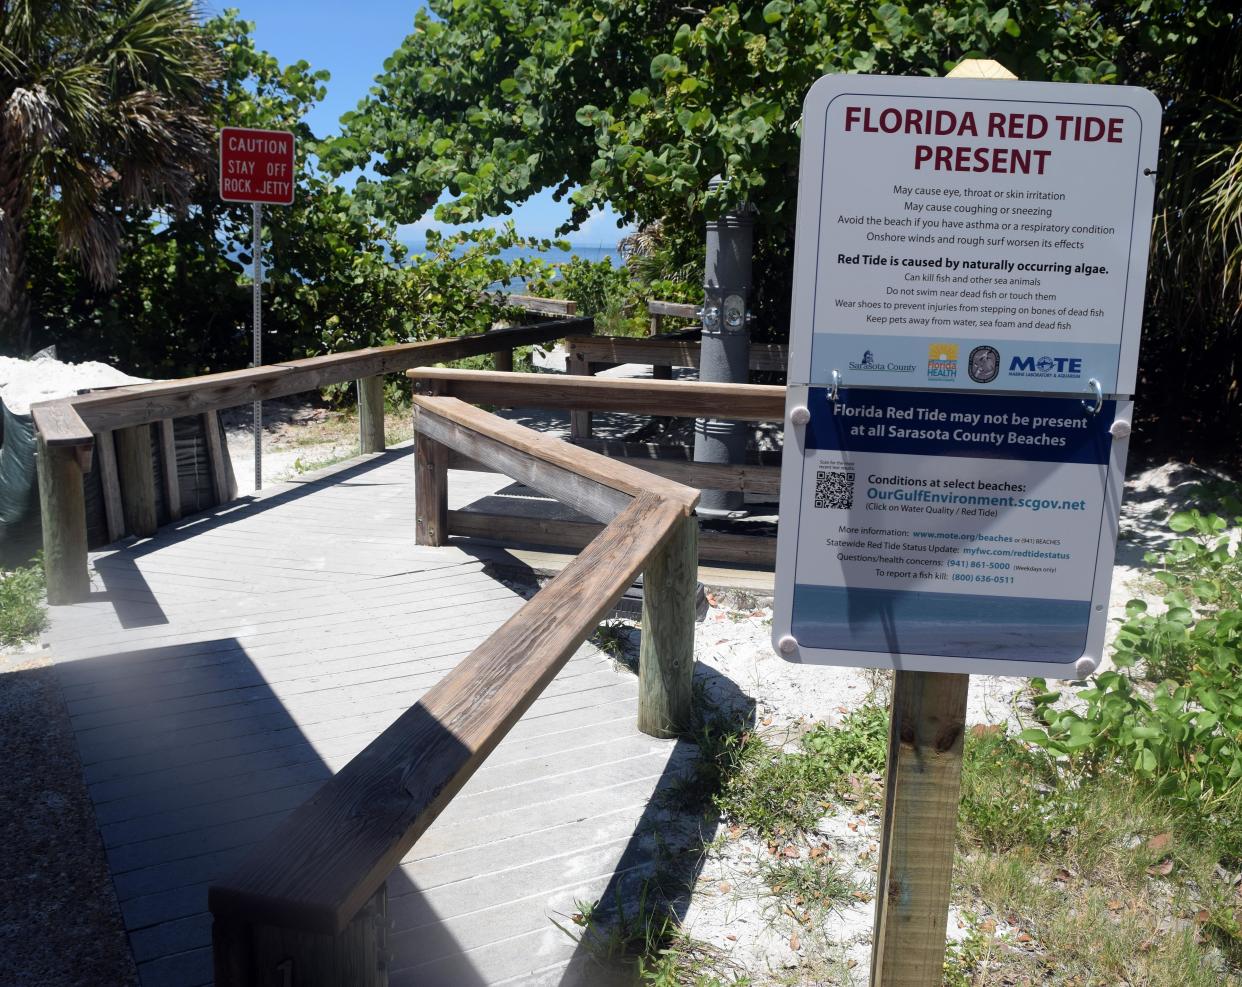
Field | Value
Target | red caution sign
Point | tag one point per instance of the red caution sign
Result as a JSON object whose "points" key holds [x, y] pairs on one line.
{"points": [[256, 166]]}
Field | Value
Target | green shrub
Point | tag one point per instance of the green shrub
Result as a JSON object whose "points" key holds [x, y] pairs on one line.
{"points": [[1182, 739], [22, 613]]}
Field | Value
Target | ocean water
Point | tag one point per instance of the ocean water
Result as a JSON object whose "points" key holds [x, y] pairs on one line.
{"points": [[591, 253]]}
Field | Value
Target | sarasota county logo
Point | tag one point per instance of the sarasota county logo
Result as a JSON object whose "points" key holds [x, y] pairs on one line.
{"points": [[942, 361], [1062, 367], [984, 364], [870, 363]]}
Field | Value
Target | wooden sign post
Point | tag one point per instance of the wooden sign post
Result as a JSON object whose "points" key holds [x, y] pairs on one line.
{"points": [[968, 286], [922, 788]]}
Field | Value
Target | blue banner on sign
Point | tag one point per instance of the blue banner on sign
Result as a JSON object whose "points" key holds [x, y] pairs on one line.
{"points": [[1033, 429], [929, 623]]}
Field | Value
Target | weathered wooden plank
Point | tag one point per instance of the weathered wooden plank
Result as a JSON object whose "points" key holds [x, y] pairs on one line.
{"points": [[616, 350], [114, 518], [678, 310], [62, 506], [666, 650], [59, 424], [532, 303], [922, 786], [507, 446], [370, 414], [600, 501], [168, 458], [141, 403], [690, 399], [509, 530], [332, 854], [223, 483], [701, 476], [136, 472], [621, 449]]}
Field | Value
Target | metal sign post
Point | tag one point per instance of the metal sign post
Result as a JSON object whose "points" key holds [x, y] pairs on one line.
{"points": [[257, 256], [257, 166]]}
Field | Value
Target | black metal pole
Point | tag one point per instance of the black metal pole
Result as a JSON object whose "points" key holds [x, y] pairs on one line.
{"points": [[725, 350]]}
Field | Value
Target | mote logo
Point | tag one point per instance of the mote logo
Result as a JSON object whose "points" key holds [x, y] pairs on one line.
{"points": [[1045, 366]]}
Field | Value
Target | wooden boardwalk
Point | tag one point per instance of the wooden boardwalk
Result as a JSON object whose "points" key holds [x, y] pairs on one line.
{"points": [[223, 669]]}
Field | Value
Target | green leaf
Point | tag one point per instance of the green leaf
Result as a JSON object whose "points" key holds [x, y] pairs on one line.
{"points": [[1181, 615], [665, 65], [775, 10], [1182, 521]]}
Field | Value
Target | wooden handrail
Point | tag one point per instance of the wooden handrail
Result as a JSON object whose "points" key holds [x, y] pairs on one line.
{"points": [[533, 303], [301, 891], [72, 421], [677, 310], [66, 427], [547, 464], [665, 352], [332, 854], [691, 399]]}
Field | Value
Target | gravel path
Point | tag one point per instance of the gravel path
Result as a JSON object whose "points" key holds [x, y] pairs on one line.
{"points": [[59, 920]]}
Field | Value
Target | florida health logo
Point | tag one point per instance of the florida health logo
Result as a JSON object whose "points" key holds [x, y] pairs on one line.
{"points": [[942, 361], [868, 362], [1060, 367]]}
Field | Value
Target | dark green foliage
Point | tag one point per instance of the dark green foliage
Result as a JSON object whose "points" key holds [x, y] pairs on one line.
{"points": [[334, 278], [641, 102]]}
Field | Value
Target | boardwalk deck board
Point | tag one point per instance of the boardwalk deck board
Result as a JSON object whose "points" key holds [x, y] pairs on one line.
{"points": [[222, 670]]}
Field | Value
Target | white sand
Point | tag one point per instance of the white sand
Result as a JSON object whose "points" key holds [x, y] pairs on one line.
{"points": [[23, 382]]}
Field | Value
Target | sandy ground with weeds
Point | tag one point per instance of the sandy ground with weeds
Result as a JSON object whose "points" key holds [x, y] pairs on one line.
{"points": [[733, 908]]}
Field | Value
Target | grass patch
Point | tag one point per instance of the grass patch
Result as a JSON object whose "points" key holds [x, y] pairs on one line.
{"points": [[646, 938], [23, 614], [785, 790], [1104, 880], [814, 885]]}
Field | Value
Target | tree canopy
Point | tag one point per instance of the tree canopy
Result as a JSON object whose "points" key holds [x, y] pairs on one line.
{"points": [[102, 106], [641, 102], [638, 103]]}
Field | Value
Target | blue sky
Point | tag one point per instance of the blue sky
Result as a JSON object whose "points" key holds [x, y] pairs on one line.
{"points": [[351, 40]]}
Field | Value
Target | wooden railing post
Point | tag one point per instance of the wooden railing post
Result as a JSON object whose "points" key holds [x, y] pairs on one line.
{"points": [[62, 505], [666, 651], [579, 421], [430, 489], [105, 462], [136, 472], [502, 360], [246, 955], [371, 414], [922, 784], [172, 480]]}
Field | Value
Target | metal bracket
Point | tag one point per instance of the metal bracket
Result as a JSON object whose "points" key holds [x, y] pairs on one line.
{"points": [[1093, 407], [834, 389]]}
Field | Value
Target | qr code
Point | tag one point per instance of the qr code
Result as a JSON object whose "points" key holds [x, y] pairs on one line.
{"points": [[834, 489]]}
